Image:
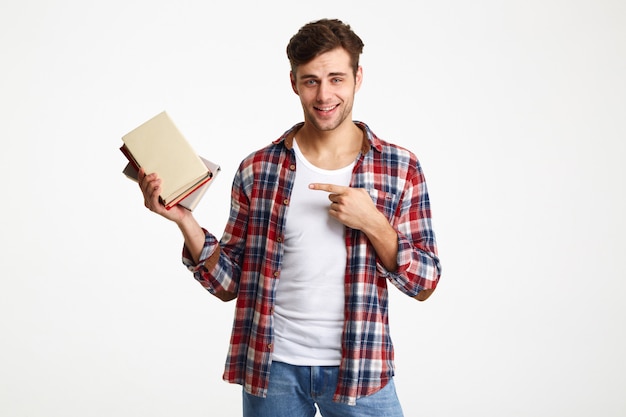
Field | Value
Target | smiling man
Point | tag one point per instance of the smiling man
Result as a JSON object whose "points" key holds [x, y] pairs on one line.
{"points": [[321, 221]]}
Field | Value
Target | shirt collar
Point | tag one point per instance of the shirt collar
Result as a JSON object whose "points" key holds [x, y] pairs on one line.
{"points": [[370, 140]]}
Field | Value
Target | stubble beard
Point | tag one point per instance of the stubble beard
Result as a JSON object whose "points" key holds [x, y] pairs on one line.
{"points": [[329, 124]]}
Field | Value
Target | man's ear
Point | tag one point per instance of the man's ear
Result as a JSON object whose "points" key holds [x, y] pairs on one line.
{"points": [[358, 79], [292, 78]]}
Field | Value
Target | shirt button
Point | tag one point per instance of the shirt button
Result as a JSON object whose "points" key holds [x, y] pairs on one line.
{"points": [[292, 167], [269, 346], [285, 201], [276, 274], [279, 239]]}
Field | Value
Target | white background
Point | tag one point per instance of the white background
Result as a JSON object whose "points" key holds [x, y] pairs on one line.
{"points": [[516, 109]]}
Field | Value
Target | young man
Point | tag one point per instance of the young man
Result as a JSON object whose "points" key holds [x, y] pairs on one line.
{"points": [[321, 219]]}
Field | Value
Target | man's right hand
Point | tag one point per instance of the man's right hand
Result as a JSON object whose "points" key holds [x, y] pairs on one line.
{"points": [[150, 186]]}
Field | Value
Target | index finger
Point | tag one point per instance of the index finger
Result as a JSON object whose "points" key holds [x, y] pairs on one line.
{"points": [[331, 188]]}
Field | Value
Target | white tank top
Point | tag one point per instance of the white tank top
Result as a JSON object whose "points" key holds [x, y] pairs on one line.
{"points": [[309, 310]]}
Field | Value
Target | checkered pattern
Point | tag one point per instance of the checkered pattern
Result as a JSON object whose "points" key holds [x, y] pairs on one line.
{"points": [[251, 251]]}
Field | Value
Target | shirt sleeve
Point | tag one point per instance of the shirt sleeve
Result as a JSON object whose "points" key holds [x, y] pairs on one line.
{"points": [[223, 275], [215, 280], [419, 267]]}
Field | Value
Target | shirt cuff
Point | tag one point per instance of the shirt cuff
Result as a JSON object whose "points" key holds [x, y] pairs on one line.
{"points": [[209, 247]]}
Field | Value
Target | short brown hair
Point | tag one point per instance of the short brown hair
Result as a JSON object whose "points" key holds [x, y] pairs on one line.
{"points": [[322, 36]]}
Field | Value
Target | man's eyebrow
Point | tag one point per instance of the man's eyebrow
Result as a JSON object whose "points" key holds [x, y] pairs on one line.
{"points": [[330, 74]]}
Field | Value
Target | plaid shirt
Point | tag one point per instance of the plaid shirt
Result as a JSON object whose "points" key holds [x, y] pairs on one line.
{"points": [[251, 252]]}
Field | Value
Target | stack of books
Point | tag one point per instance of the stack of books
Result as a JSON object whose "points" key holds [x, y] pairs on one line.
{"points": [[158, 146]]}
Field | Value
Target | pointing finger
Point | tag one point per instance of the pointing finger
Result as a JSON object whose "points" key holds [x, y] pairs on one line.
{"points": [[331, 188]]}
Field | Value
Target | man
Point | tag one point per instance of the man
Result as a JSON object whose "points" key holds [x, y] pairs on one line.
{"points": [[320, 220]]}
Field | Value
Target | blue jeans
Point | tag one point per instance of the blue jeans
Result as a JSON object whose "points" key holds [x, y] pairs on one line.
{"points": [[294, 391]]}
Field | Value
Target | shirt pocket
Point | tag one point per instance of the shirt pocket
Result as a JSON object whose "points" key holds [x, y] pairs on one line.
{"points": [[387, 203]]}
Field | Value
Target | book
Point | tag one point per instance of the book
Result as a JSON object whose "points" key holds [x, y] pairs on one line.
{"points": [[191, 201], [158, 146]]}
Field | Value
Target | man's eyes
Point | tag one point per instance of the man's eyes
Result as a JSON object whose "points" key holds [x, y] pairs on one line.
{"points": [[333, 81]]}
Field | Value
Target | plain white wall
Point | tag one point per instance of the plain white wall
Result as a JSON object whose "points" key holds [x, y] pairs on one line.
{"points": [[516, 110]]}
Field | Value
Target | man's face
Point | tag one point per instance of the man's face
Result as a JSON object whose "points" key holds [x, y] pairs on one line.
{"points": [[326, 87]]}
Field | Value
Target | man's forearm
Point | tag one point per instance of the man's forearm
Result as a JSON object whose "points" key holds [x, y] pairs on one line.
{"points": [[194, 236], [384, 238]]}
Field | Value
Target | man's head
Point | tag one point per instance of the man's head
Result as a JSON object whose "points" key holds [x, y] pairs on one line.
{"points": [[322, 36]]}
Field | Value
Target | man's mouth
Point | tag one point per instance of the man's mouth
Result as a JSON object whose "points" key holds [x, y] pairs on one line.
{"points": [[327, 108]]}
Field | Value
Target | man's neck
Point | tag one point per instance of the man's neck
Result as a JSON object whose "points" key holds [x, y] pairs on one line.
{"points": [[330, 149]]}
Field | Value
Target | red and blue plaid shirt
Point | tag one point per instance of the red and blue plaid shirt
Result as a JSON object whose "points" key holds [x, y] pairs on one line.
{"points": [[251, 253]]}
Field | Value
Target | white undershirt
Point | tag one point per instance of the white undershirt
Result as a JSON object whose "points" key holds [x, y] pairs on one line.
{"points": [[309, 310]]}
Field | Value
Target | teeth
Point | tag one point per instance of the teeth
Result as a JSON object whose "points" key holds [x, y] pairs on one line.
{"points": [[326, 108]]}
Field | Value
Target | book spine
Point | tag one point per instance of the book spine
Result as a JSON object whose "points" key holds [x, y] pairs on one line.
{"points": [[186, 194], [130, 157]]}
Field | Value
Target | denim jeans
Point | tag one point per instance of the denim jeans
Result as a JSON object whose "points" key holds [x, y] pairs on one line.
{"points": [[294, 391]]}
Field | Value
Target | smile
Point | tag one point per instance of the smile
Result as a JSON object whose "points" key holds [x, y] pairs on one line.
{"points": [[327, 109]]}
